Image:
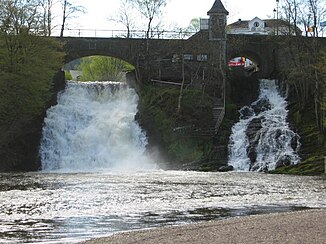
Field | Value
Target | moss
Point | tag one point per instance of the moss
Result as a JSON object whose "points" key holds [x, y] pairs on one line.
{"points": [[297, 117], [185, 150], [205, 168], [311, 166]]}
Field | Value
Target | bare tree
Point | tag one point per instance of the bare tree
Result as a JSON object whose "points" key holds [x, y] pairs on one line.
{"points": [[305, 52], [150, 9], [69, 10], [306, 13], [125, 16], [47, 6], [290, 10], [19, 16], [317, 10]]}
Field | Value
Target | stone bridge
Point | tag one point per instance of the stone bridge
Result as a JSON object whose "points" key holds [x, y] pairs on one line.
{"points": [[162, 56], [161, 59]]}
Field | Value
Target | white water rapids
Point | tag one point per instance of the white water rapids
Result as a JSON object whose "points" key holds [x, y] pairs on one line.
{"points": [[275, 140], [93, 128]]}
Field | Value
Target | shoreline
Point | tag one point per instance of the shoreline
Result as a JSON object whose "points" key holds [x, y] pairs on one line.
{"points": [[306, 226]]}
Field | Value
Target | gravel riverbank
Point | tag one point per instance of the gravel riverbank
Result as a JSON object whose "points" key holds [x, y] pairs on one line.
{"points": [[307, 226]]}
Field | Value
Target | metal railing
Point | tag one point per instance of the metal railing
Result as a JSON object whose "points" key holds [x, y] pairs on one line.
{"points": [[103, 33]]}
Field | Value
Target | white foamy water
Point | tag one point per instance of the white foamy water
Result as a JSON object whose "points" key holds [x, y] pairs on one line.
{"points": [[275, 139], [93, 128]]}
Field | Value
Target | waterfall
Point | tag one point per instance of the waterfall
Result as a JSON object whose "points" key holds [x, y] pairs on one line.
{"points": [[262, 139], [93, 128]]}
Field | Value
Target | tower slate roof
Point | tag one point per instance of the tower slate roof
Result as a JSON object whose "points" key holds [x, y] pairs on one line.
{"points": [[218, 8]]}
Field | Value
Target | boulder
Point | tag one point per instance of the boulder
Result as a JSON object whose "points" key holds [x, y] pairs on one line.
{"points": [[225, 168], [283, 161]]}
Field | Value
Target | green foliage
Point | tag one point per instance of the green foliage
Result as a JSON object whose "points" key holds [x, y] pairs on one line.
{"points": [[28, 64], [172, 129], [99, 68], [185, 150], [68, 75]]}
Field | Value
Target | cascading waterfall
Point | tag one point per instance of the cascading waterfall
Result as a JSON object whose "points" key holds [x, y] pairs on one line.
{"points": [[93, 128], [262, 139]]}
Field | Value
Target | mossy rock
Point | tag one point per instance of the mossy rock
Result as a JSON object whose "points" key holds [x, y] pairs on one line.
{"points": [[311, 166]]}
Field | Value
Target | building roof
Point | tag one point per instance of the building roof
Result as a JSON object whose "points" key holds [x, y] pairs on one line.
{"points": [[218, 8], [269, 23], [239, 24]]}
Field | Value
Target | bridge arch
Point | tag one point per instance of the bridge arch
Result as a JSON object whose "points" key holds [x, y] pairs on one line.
{"points": [[98, 67], [260, 48], [252, 56], [119, 48], [84, 54]]}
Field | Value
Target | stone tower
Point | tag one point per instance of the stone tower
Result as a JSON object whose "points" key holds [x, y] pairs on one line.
{"points": [[217, 21], [217, 36]]}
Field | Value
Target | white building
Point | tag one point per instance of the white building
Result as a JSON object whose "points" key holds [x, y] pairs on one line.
{"points": [[257, 26]]}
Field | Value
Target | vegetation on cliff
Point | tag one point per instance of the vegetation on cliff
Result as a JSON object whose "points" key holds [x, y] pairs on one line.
{"points": [[308, 104], [28, 63], [306, 74], [175, 131]]}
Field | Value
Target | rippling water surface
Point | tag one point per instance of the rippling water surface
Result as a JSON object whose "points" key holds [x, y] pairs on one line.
{"points": [[58, 208]]}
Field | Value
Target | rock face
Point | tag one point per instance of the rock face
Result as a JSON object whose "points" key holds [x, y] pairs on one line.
{"points": [[284, 161], [253, 127]]}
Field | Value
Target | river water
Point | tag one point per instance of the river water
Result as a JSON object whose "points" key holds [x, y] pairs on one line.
{"points": [[97, 179], [67, 208]]}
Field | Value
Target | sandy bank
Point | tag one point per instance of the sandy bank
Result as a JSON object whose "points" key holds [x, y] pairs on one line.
{"points": [[294, 227]]}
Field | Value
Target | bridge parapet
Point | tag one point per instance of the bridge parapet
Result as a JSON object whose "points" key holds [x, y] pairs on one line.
{"points": [[137, 34]]}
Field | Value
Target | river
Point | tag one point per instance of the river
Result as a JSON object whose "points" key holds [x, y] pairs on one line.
{"points": [[71, 207]]}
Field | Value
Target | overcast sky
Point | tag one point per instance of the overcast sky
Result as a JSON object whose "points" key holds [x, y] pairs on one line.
{"points": [[177, 12]]}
